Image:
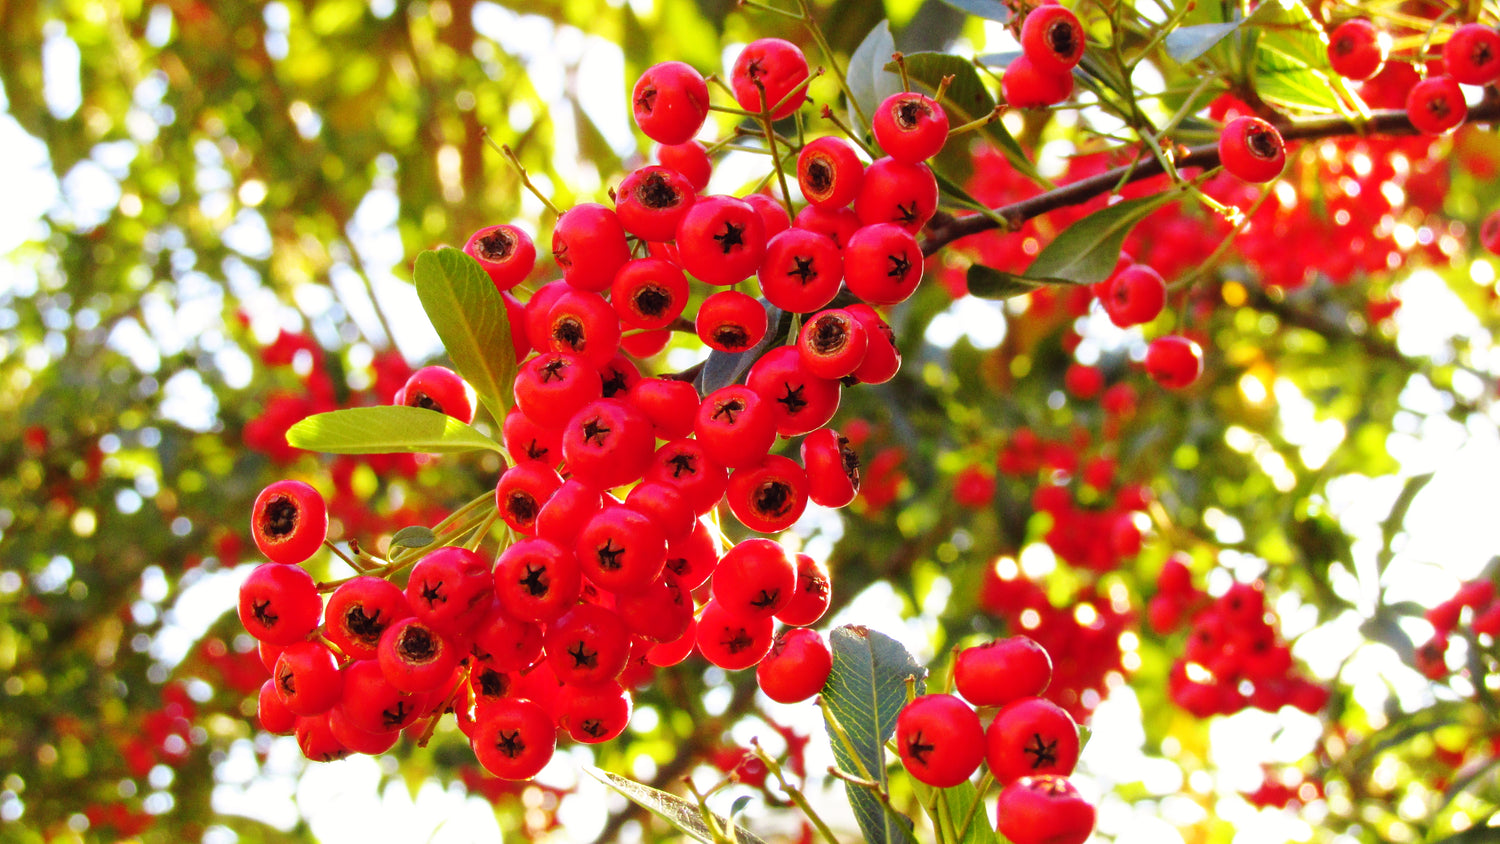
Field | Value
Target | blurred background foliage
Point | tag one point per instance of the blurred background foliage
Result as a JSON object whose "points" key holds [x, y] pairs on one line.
{"points": [[216, 207]]}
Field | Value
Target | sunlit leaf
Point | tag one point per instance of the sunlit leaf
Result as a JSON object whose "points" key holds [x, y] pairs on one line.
{"points": [[869, 81], [386, 430], [1187, 43], [468, 314], [684, 816], [1088, 250]]}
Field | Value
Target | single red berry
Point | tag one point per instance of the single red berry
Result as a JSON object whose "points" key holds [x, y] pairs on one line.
{"points": [[316, 740], [538, 309], [667, 654], [449, 589], [651, 201], [1025, 85], [910, 127], [618, 376], [974, 487], [772, 213], [1436, 105], [521, 492], [730, 641], [1083, 382], [731, 321], [883, 264], [583, 323], [608, 443], [829, 172], [649, 293], [832, 343], [1431, 656], [515, 316], [273, 715], [669, 404], [307, 678], [621, 550], [721, 240], [665, 505], [1002, 671], [686, 465], [897, 192], [797, 666], [802, 271], [939, 739], [800, 401], [1252, 149], [882, 358], [776, 66], [415, 657], [670, 102], [690, 159], [1134, 296], [755, 579], [1043, 810], [1031, 736], [1356, 49], [814, 592], [513, 738], [1487, 619], [661, 612], [504, 642], [441, 389], [768, 497], [372, 704], [357, 740], [1475, 593], [692, 559], [838, 224], [289, 521], [550, 388], [535, 580], [566, 512], [360, 610], [527, 441], [589, 246], [736, 426], [832, 469], [596, 712], [1052, 39], [279, 604], [1472, 54], [1173, 361], [505, 252], [587, 645]]}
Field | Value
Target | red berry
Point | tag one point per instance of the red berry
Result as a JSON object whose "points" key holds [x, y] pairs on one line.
{"points": [[273, 715], [1002, 671], [837, 224], [939, 739], [882, 358], [802, 270], [832, 469], [810, 601], [1356, 49], [316, 740], [550, 388], [666, 654], [589, 246], [772, 213], [896, 192], [651, 201], [669, 404], [1031, 736], [535, 580], [731, 642], [910, 127], [596, 712], [649, 293], [538, 309], [731, 321], [450, 589], [1174, 362], [573, 504], [1025, 85], [372, 704], [360, 610], [755, 579], [608, 443], [513, 738], [778, 67], [690, 159], [1043, 810], [307, 678], [693, 559], [736, 426], [670, 101], [621, 550], [357, 740], [279, 604], [1436, 105], [768, 497], [686, 465], [829, 172], [721, 240], [1472, 54], [797, 666], [1134, 296], [832, 344], [800, 402], [583, 323], [289, 521], [883, 264], [504, 642], [665, 505], [441, 389], [415, 657], [505, 252], [661, 612], [1252, 149], [587, 645], [1052, 39], [521, 492], [1084, 382]]}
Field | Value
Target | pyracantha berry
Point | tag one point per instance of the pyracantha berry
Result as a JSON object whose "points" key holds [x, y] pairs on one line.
{"points": [[939, 739], [279, 604], [1052, 39], [504, 252], [513, 738], [289, 521], [910, 127], [776, 66], [1043, 810], [829, 172], [670, 102], [797, 666], [1252, 149]]}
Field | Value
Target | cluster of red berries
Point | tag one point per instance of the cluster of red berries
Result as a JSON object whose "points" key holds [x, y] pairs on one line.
{"points": [[1233, 658], [1052, 44], [1030, 747], [1476, 596], [1435, 105]]}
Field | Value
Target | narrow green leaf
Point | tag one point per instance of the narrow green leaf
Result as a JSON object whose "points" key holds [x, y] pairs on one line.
{"points": [[469, 316], [386, 430], [1088, 250], [1187, 43], [990, 283], [868, 79], [952, 810], [988, 9], [683, 815], [413, 536], [865, 692], [966, 100]]}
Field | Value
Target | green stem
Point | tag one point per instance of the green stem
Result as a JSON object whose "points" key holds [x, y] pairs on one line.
{"points": [[765, 122], [811, 24], [793, 792], [984, 785], [752, 4]]}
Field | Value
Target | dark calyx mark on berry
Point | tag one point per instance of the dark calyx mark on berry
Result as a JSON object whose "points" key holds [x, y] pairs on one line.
{"points": [[522, 506], [905, 215], [417, 644], [609, 556], [591, 727], [918, 750], [804, 271], [510, 743], [1060, 37], [595, 433], [814, 585], [1261, 143], [535, 450], [656, 192], [395, 719], [683, 464], [677, 565], [569, 331], [431, 595], [1042, 752], [534, 581], [582, 657], [493, 683], [288, 681], [738, 641], [829, 335], [553, 370], [263, 614], [496, 246], [754, 70], [365, 628], [281, 517], [850, 461], [773, 498], [900, 266], [560, 255], [614, 384], [793, 400], [651, 301], [1481, 55], [820, 176], [766, 598], [909, 111], [417, 398], [731, 336], [1438, 107], [726, 411], [734, 235]]}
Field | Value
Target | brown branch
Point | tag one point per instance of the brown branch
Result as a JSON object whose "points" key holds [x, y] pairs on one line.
{"points": [[944, 230]]}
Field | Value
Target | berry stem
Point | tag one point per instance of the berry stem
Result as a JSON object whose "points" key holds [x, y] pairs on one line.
{"points": [[900, 59], [710, 820], [979, 123], [984, 784], [793, 792], [353, 563], [770, 134], [942, 88], [874, 788], [510, 156], [811, 24], [764, 7], [848, 133]]}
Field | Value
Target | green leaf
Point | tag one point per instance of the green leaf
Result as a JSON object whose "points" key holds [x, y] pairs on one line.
{"points": [[1291, 58], [1187, 43], [413, 536], [1088, 250], [988, 9], [990, 283], [469, 316], [865, 692], [1285, 83], [685, 816], [386, 430], [725, 368], [869, 81], [949, 808], [966, 100]]}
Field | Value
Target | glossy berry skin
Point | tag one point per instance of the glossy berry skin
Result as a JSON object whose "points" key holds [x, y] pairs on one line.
{"points": [[587, 645], [441, 389], [800, 401], [1002, 671], [414, 657], [731, 321], [651, 201], [372, 704], [776, 65], [1356, 49], [769, 497], [735, 426], [832, 343], [316, 740], [307, 678], [910, 127], [551, 388], [279, 604], [882, 358], [1052, 39], [504, 252], [664, 505], [1134, 296], [621, 550], [940, 740], [1472, 54], [661, 612], [829, 172], [692, 559], [755, 579], [583, 323], [812, 597], [289, 521], [594, 713], [686, 465], [690, 159], [721, 240], [357, 740], [669, 404], [513, 738], [731, 642], [1043, 810], [1436, 105], [897, 192], [670, 102], [802, 271], [832, 469], [772, 213], [1174, 361], [536, 580], [1031, 736], [273, 715], [360, 610], [450, 589], [608, 443], [797, 666], [506, 643], [883, 264], [1489, 232], [1025, 85], [649, 293], [528, 441], [836, 224], [521, 492], [1252, 149], [589, 246]]}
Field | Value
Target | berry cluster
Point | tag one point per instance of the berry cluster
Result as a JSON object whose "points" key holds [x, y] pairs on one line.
{"points": [[1030, 747], [1052, 44], [1476, 596]]}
